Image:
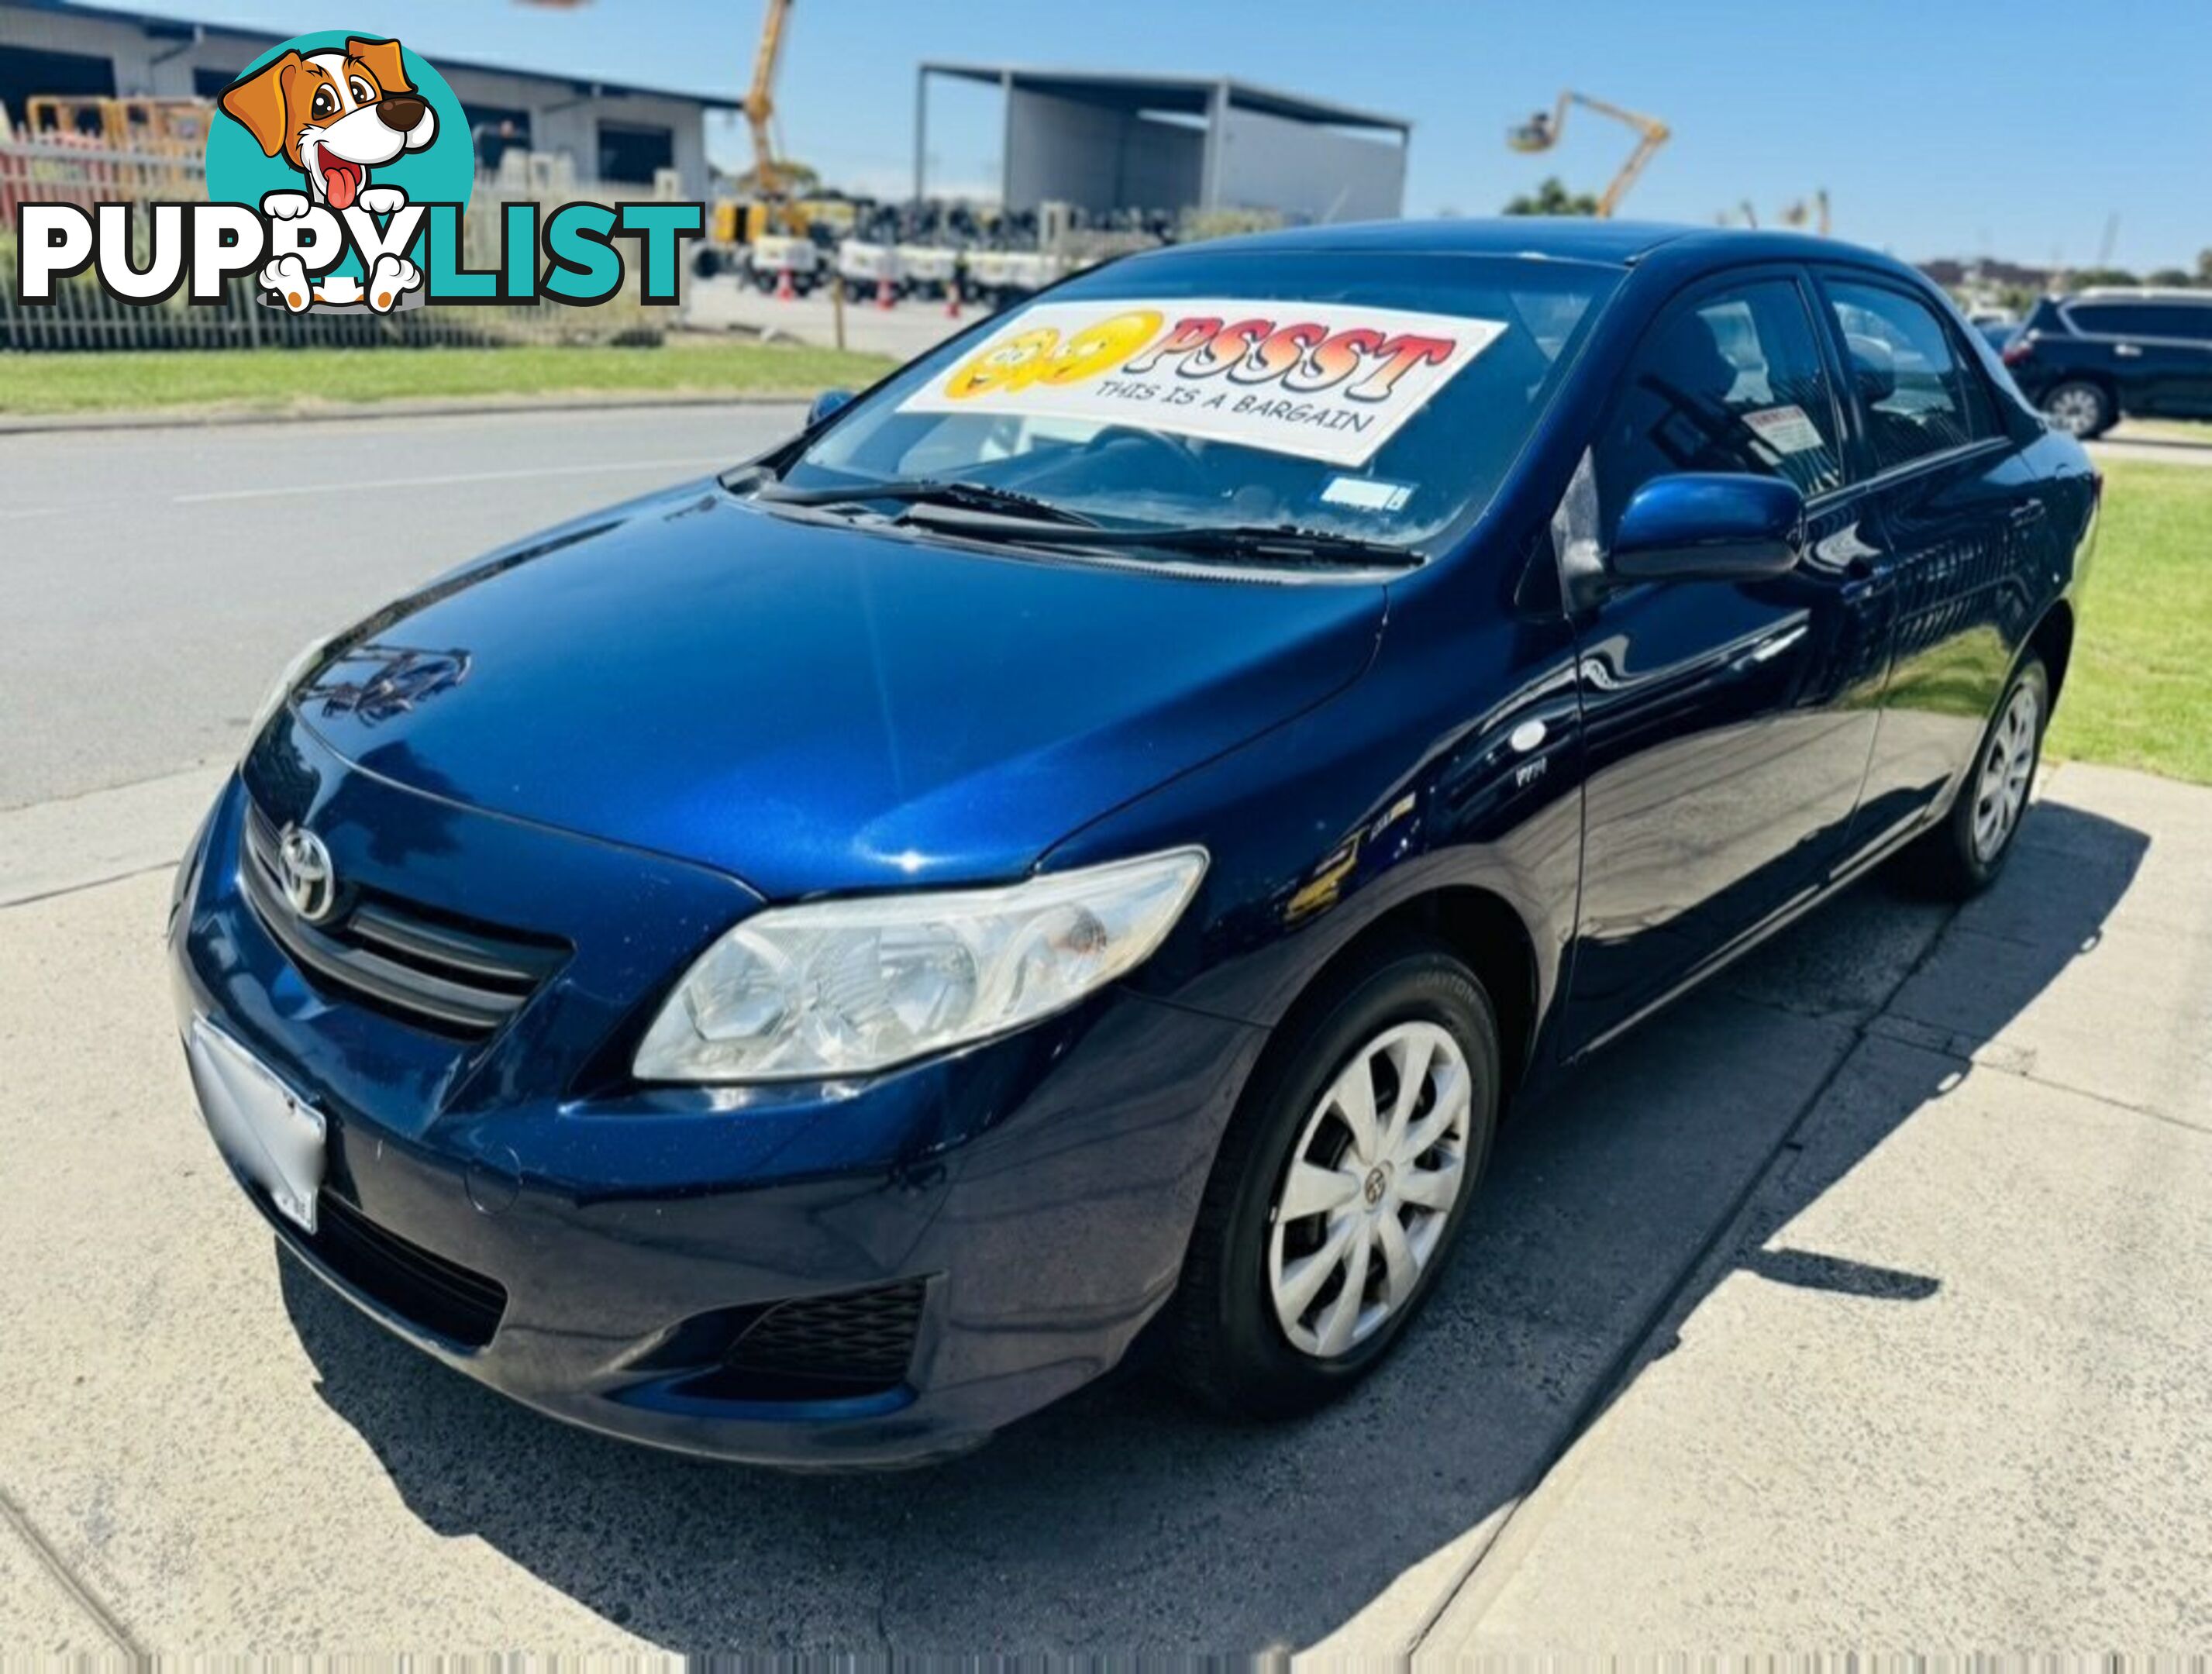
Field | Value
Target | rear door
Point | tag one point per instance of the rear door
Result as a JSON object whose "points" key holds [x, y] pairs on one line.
{"points": [[2183, 332], [1956, 515], [1726, 725], [2159, 369]]}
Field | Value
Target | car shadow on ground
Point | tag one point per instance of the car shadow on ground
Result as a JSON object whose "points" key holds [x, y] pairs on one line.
{"points": [[1122, 1517]]}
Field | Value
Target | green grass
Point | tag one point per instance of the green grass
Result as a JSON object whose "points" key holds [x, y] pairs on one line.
{"points": [[279, 380], [2139, 690]]}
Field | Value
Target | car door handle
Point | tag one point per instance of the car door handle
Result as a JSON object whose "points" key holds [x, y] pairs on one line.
{"points": [[2127, 351], [1768, 649]]}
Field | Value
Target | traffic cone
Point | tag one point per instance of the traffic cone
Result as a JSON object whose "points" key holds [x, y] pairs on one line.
{"points": [[952, 301], [884, 297], [785, 290]]}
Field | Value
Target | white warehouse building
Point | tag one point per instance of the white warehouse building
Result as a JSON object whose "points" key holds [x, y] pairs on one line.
{"points": [[1105, 142]]}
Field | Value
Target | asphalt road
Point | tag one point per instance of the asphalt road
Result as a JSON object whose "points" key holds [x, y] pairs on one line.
{"points": [[155, 581], [1861, 1298]]}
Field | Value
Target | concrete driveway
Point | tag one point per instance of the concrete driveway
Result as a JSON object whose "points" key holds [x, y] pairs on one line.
{"points": [[909, 328], [1861, 1298]]}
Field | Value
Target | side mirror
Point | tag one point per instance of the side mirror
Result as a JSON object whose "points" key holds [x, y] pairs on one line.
{"points": [[828, 404], [1701, 527]]}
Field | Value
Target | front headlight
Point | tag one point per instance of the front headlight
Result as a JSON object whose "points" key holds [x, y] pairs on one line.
{"points": [[294, 671], [848, 987]]}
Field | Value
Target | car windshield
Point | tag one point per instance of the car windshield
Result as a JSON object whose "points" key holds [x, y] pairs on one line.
{"points": [[1377, 398]]}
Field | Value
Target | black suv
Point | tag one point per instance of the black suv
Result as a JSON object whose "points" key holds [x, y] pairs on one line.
{"points": [[2087, 360]]}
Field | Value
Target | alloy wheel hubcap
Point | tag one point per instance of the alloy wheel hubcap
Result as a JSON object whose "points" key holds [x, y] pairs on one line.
{"points": [[2008, 767], [1369, 1189], [2077, 411]]}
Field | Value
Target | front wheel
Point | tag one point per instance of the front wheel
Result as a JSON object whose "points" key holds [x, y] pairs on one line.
{"points": [[1342, 1184], [2081, 409], [1962, 856]]}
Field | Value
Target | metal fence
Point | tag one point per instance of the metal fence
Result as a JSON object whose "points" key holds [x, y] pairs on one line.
{"points": [[84, 317]]}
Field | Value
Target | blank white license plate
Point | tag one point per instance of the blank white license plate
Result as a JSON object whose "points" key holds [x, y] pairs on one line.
{"points": [[270, 1134]]}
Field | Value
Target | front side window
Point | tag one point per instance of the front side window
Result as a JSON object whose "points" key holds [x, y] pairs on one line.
{"points": [[1732, 381], [1918, 393]]}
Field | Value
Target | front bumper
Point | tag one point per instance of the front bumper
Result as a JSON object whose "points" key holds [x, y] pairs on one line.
{"points": [[1020, 1209]]}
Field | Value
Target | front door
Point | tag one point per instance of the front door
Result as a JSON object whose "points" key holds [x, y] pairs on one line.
{"points": [[1728, 726]]}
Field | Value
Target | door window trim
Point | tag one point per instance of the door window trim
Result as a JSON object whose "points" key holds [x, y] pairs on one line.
{"points": [[1826, 274]]}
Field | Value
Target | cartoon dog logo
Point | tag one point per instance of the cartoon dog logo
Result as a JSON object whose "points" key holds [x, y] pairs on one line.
{"points": [[336, 117]]}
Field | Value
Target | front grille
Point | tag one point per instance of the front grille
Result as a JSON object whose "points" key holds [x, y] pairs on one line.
{"points": [[857, 1343], [442, 1296], [424, 968]]}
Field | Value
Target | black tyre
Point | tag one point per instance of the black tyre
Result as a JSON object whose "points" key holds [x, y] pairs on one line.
{"points": [[1963, 856], [1335, 1201], [2080, 407]]}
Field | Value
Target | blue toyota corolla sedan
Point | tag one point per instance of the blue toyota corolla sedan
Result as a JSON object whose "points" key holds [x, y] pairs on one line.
{"points": [[1085, 841]]}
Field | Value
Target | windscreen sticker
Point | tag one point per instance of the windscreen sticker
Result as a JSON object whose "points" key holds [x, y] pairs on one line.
{"points": [[1366, 494], [1786, 429], [1326, 381]]}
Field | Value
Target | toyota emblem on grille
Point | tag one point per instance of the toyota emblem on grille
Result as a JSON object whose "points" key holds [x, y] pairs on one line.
{"points": [[303, 867]]}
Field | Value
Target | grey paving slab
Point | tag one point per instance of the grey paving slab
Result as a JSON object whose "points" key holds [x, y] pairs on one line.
{"points": [[2128, 1014], [72, 841], [40, 1614], [1947, 1392]]}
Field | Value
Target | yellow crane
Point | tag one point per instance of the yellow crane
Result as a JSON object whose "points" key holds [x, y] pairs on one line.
{"points": [[760, 102], [1543, 130]]}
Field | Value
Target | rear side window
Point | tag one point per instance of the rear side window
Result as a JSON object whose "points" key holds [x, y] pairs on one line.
{"points": [[1731, 381], [2178, 321], [1919, 395]]}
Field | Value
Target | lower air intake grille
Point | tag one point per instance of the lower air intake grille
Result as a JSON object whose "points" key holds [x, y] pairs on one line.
{"points": [[442, 1296], [858, 1343]]}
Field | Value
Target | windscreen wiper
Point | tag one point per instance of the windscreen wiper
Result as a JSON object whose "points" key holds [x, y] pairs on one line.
{"points": [[932, 491], [1275, 543], [1264, 543]]}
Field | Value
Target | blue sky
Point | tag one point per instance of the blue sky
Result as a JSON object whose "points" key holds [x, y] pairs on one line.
{"points": [[2015, 127]]}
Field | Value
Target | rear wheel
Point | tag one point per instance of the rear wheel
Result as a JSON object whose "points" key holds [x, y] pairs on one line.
{"points": [[2078, 408], [1342, 1184], [1963, 856]]}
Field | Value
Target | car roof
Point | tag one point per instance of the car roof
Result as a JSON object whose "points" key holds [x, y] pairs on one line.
{"points": [[2140, 294], [1556, 238]]}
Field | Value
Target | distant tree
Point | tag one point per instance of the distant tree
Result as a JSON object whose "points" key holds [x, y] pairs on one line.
{"points": [[2204, 267], [2083, 279], [2171, 278], [1552, 198]]}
